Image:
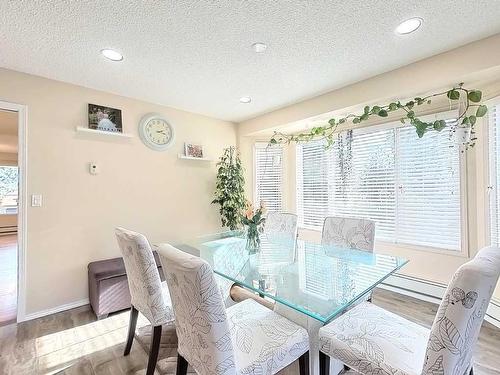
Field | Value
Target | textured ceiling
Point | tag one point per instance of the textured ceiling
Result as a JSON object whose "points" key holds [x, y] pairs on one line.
{"points": [[197, 56]]}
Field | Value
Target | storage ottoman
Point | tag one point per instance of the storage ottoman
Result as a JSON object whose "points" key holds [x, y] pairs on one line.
{"points": [[108, 286]]}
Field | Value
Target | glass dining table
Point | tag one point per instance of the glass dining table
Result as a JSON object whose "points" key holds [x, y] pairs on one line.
{"points": [[310, 283]]}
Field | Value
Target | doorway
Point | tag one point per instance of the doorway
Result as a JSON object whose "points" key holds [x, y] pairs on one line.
{"points": [[9, 198]]}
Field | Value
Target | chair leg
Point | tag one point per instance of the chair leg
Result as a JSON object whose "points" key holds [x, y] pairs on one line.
{"points": [[324, 364], [131, 329], [182, 365], [153, 350], [304, 364]]}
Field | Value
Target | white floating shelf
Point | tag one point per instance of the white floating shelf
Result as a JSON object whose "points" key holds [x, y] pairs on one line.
{"points": [[181, 156], [81, 129]]}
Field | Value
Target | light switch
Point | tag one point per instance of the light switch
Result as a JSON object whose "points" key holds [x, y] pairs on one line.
{"points": [[36, 200]]}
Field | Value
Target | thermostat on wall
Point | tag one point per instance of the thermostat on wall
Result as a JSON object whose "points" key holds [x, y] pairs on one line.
{"points": [[93, 168]]}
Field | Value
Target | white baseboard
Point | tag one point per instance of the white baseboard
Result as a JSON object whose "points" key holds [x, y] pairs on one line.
{"points": [[411, 286], [42, 313], [432, 292]]}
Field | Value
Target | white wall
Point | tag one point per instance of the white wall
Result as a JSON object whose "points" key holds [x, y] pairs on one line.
{"points": [[156, 193]]}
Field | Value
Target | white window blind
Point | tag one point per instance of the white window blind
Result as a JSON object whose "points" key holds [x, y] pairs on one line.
{"points": [[314, 166], [494, 175], [410, 187], [428, 170], [364, 183], [268, 176]]}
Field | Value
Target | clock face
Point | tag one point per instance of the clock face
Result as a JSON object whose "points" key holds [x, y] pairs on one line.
{"points": [[156, 132]]}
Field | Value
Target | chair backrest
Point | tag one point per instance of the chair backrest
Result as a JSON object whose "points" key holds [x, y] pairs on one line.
{"points": [[200, 315], [281, 226], [349, 232], [143, 278], [458, 321]]}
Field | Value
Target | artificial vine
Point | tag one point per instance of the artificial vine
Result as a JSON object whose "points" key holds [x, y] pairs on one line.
{"points": [[471, 99], [229, 192]]}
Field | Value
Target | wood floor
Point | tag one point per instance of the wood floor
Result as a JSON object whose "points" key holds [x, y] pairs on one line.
{"points": [[8, 279], [73, 342]]}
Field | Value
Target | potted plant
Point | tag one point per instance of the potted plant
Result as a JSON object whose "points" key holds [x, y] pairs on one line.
{"points": [[229, 192]]}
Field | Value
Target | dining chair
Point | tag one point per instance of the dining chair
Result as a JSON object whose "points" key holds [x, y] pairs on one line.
{"points": [[350, 232], [281, 226], [355, 233], [371, 340], [148, 294], [246, 338]]}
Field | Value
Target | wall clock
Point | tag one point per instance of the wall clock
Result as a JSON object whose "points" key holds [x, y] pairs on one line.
{"points": [[156, 132]]}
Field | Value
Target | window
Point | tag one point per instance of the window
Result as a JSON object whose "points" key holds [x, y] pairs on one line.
{"points": [[355, 177], [494, 175], [8, 190], [268, 161], [410, 187]]}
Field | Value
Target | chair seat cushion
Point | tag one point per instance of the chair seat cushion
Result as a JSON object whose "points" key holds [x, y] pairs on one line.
{"points": [[372, 340], [263, 341]]}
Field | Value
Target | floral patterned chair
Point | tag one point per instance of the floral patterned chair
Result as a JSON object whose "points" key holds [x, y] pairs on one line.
{"points": [[372, 341], [280, 226], [148, 294], [246, 338], [348, 232]]}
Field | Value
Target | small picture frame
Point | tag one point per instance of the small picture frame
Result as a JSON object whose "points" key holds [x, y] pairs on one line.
{"points": [[105, 118], [193, 150]]}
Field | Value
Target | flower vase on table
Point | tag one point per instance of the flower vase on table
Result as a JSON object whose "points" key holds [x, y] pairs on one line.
{"points": [[253, 238], [253, 220]]}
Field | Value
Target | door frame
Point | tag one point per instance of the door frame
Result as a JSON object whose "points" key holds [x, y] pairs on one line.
{"points": [[22, 162]]}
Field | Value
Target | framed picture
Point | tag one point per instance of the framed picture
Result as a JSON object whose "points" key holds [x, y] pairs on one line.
{"points": [[192, 150], [105, 118]]}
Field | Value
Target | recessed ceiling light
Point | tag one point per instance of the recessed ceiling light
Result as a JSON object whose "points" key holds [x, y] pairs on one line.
{"points": [[245, 99], [409, 26], [112, 55], [259, 47]]}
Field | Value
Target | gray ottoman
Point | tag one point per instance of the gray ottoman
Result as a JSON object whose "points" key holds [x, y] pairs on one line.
{"points": [[108, 286]]}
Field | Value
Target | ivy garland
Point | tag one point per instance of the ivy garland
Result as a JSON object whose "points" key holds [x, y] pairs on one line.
{"points": [[472, 102]]}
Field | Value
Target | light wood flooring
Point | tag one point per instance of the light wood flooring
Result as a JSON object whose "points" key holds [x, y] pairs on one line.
{"points": [[73, 342], [8, 279]]}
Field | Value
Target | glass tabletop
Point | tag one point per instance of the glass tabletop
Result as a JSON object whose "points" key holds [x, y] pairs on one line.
{"points": [[317, 280]]}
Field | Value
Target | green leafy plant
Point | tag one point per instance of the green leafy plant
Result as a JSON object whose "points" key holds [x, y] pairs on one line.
{"points": [[229, 192], [471, 110]]}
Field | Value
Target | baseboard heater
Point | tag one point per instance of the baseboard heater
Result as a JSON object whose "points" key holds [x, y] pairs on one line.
{"points": [[8, 229], [432, 292]]}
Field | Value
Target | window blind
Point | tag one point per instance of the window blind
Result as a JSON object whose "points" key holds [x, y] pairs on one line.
{"points": [[268, 161], [354, 177], [428, 173], [494, 175], [410, 187], [314, 166], [364, 184]]}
